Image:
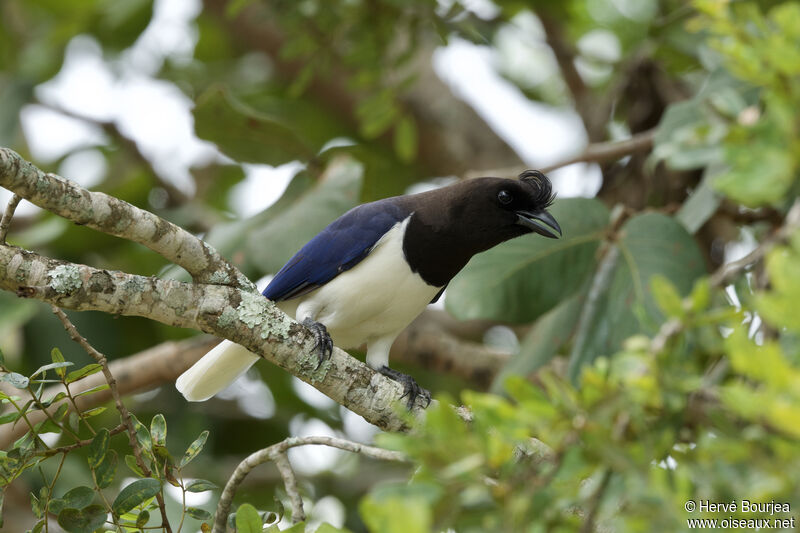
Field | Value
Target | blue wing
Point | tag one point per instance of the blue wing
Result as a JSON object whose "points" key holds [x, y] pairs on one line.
{"points": [[339, 247]]}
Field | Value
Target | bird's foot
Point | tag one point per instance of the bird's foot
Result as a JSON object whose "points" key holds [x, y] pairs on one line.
{"points": [[324, 344], [410, 386]]}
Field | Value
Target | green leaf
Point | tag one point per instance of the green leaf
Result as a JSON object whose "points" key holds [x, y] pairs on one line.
{"points": [[337, 191], [10, 417], [78, 497], [247, 519], [82, 520], [57, 366], [200, 485], [158, 430], [327, 528], [106, 470], [58, 357], [542, 342], [701, 204], [99, 388], [17, 380], [250, 132], [88, 370], [199, 514], [394, 509], [130, 460], [666, 296], [520, 280], [134, 494], [143, 518], [405, 139], [648, 244], [94, 411], [142, 435], [194, 448]]}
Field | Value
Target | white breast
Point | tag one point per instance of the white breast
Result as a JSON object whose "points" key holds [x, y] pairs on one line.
{"points": [[374, 300]]}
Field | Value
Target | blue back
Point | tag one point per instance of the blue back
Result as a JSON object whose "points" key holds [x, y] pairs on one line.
{"points": [[339, 247]]}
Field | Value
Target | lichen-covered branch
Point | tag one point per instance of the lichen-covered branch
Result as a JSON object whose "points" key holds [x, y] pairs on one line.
{"points": [[116, 217], [277, 453], [242, 316]]}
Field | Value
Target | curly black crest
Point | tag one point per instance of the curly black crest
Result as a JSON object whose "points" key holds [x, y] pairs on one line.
{"points": [[543, 189]]}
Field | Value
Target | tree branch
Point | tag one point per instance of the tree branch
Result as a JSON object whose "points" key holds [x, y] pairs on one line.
{"points": [[8, 214], [277, 453], [243, 316], [110, 215], [594, 153]]}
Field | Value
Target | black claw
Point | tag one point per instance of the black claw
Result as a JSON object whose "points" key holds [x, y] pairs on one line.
{"points": [[324, 344], [410, 386]]}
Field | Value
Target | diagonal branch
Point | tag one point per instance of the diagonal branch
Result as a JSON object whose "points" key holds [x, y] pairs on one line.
{"points": [[105, 213], [244, 317]]}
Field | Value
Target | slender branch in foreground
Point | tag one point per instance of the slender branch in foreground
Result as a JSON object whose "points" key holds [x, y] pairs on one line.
{"points": [[594, 153], [277, 452], [111, 215], [8, 214], [124, 414]]}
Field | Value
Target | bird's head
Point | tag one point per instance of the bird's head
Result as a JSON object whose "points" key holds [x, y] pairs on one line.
{"points": [[524, 202]]}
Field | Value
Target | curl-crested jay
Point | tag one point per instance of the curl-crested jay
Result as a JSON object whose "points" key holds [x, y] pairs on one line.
{"points": [[367, 275]]}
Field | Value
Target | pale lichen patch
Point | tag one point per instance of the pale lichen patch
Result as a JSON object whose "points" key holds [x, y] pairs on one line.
{"points": [[252, 310], [227, 318], [135, 284], [65, 278], [219, 277]]}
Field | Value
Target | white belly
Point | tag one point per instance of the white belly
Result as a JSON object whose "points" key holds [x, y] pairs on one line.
{"points": [[374, 300]]}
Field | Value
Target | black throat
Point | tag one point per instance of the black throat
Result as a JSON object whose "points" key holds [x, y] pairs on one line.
{"points": [[443, 235]]}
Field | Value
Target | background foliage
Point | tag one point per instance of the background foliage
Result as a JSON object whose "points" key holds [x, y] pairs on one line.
{"points": [[637, 380]]}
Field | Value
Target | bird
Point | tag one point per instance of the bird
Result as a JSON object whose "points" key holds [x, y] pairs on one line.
{"points": [[373, 270]]}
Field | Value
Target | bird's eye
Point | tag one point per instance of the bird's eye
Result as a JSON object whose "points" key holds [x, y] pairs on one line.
{"points": [[504, 197]]}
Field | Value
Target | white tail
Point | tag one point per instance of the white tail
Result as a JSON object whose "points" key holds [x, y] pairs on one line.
{"points": [[214, 371]]}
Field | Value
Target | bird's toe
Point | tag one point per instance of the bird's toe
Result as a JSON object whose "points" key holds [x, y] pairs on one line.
{"points": [[411, 388], [323, 343]]}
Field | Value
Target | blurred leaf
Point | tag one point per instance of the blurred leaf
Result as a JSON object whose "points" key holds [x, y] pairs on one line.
{"points": [[650, 244], [260, 133], [200, 485], [701, 204], [199, 514], [271, 245], [158, 430], [328, 528], [405, 139], [98, 448], [99, 388], [77, 498], [58, 357], [17, 380], [84, 520], [94, 411], [142, 518], [58, 366], [142, 435], [88, 370], [130, 460], [106, 470], [522, 279], [248, 519], [396, 509], [135, 493], [666, 296], [194, 448], [540, 345], [121, 23]]}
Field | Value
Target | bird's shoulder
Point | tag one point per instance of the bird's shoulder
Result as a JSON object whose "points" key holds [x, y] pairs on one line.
{"points": [[339, 247]]}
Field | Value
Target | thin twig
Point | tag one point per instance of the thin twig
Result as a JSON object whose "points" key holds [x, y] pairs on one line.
{"points": [[277, 452], [594, 153], [123, 411], [290, 482], [81, 443], [8, 214], [597, 499]]}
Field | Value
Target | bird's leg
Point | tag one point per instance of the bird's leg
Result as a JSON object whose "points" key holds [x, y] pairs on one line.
{"points": [[410, 386], [324, 344]]}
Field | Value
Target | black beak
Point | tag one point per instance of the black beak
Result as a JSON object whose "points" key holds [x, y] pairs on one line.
{"points": [[539, 221]]}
